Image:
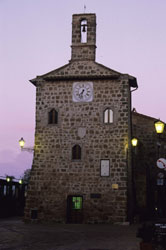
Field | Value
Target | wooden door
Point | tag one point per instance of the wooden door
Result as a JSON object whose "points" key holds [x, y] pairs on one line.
{"points": [[75, 209]]}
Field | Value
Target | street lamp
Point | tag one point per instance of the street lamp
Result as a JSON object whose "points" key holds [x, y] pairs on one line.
{"points": [[20, 181], [8, 179], [22, 143], [134, 142], [159, 127]]}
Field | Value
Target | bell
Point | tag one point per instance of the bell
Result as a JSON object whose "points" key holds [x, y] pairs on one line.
{"points": [[83, 28]]}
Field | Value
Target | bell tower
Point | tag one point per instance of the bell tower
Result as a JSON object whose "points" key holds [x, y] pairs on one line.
{"points": [[81, 172], [83, 37]]}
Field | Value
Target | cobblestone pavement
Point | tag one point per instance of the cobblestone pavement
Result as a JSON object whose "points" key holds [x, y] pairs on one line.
{"points": [[15, 235]]}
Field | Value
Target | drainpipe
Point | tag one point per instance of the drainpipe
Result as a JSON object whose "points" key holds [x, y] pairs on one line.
{"points": [[131, 182]]}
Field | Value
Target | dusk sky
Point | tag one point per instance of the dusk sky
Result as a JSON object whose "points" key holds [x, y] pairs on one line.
{"points": [[35, 38]]}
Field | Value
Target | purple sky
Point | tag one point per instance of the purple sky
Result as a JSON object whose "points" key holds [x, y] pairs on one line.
{"points": [[36, 38]]}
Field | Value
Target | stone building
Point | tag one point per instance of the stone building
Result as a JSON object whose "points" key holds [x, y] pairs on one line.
{"points": [[149, 180], [81, 169]]}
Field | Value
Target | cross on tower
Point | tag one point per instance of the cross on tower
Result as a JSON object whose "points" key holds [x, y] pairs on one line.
{"points": [[84, 8]]}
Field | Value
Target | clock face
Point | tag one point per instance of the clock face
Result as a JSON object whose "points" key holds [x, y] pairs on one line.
{"points": [[82, 91]]}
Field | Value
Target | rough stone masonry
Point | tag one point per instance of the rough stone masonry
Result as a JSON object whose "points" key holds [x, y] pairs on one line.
{"points": [[81, 167]]}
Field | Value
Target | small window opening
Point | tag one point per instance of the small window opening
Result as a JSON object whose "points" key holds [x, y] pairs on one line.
{"points": [[76, 152], [53, 117], [108, 116], [76, 202], [34, 214], [84, 31]]}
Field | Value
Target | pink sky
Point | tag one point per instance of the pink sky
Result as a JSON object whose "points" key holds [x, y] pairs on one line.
{"points": [[36, 38]]}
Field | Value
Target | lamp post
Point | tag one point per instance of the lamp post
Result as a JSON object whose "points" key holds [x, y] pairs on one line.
{"points": [[134, 143], [160, 201], [8, 179], [159, 127], [22, 143]]}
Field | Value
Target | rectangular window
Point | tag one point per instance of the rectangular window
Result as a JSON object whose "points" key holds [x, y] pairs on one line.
{"points": [[34, 214], [76, 202]]}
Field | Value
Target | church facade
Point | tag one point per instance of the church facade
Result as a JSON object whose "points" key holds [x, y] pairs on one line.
{"points": [[81, 170]]}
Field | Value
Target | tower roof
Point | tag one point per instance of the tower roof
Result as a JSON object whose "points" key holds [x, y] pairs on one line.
{"points": [[83, 71]]}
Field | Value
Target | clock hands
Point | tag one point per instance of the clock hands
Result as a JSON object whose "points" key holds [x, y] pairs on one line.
{"points": [[81, 94]]}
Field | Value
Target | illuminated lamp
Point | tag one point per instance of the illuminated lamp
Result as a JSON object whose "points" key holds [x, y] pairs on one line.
{"points": [[134, 142], [159, 127]]}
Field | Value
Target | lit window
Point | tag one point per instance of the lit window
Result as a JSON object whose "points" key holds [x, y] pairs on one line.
{"points": [[53, 117], [76, 152], [108, 116], [76, 202], [84, 31]]}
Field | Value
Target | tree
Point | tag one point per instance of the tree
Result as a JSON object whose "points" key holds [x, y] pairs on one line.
{"points": [[26, 175]]}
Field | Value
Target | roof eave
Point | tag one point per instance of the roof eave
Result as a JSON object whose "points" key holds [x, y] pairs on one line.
{"points": [[33, 81], [83, 77]]}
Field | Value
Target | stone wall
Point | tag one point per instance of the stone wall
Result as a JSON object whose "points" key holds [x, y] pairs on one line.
{"points": [[83, 51], [55, 175], [144, 163]]}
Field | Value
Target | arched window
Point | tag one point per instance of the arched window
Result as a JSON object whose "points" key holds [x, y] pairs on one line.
{"points": [[84, 31], [108, 115], [53, 117], [76, 152]]}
